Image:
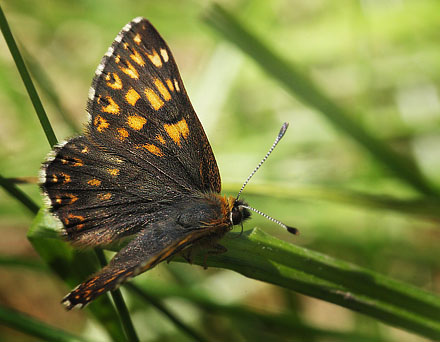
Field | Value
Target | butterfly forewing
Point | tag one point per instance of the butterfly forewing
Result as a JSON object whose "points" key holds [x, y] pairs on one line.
{"points": [[138, 101]]}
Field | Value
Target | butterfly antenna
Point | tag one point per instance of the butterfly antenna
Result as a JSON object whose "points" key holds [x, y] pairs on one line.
{"points": [[277, 140], [289, 229]]}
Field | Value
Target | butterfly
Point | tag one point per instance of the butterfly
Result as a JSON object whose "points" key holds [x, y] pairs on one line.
{"points": [[143, 169]]}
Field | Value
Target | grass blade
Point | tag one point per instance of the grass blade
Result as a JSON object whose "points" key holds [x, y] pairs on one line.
{"points": [[32, 92], [124, 315], [162, 308], [287, 324], [33, 327], [47, 88], [260, 256], [19, 195]]}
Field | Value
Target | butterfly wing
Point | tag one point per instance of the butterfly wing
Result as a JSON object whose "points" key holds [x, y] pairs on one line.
{"points": [[144, 149], [100, 197], [139, 108], [148, 248], [155, 243]]}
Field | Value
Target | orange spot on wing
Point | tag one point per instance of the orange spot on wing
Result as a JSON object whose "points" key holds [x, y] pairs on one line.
{"points": [[170, 84], [66, 177], [100, 123], [153, 98], [72, 198], [154, 58], [161, 139], [52, 179], [137, 39], [175, 131], [130, 70], [73, 161], [137, 58], [85, 150], [153, 149], [77, 218], [132, 96], [112, 106], [122, 133], [162, 89], [94, 182], [113, 172], [116, 84], [78, 162], [104, 197], [136, 122]]}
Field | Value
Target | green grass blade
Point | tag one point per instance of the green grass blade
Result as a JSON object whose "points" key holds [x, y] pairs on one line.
{"points": [[21, 262], [280, 323], [124, 315], [162, 308], [260, 256], [33, 327], [19, 195], [47, 88], [302, 87], [73, 267], [32, 92]]}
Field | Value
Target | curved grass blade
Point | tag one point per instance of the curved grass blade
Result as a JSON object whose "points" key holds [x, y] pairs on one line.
{"points": [[19, 195], [260, 256]]}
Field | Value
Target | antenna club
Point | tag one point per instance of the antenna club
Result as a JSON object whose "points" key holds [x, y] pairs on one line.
{"points": [[283, 130], [292, 230]]}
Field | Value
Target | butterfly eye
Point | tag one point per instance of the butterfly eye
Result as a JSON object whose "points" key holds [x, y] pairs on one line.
{"points": [[236, 216], [239, 213]]}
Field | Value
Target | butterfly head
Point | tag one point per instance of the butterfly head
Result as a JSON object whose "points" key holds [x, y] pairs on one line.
{"points": [[239, 212]]}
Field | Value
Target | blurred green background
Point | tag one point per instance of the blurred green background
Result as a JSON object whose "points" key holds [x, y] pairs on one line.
{"points": [[380, 60]]}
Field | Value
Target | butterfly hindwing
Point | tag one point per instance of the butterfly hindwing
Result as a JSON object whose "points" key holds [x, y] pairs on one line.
{"points": [[149, 247], [155, 243], [139, 109]]}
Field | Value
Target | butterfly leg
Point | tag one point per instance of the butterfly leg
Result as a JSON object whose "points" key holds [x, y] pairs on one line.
{"points": [[214, 250]]}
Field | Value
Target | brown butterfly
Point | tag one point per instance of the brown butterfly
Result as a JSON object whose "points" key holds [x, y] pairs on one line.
{"points": [[143, 168]]}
